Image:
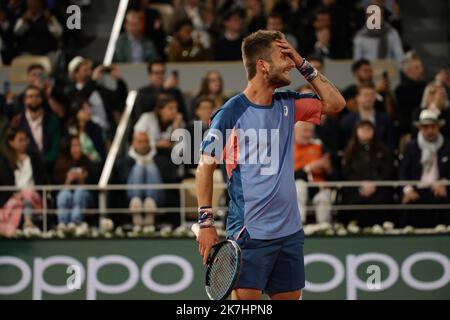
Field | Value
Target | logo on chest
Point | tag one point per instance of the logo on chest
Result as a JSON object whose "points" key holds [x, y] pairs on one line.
{"points": [[285, 111]]}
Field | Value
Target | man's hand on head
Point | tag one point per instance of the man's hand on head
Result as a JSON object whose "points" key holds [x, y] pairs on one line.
{"points": [[286, 48]]}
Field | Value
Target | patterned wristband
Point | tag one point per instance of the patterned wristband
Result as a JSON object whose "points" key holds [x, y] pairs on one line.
{"points": [[205, 217], [308, 71]]}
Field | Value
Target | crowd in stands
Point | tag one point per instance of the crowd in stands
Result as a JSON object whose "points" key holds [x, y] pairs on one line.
{"points": [[59, 129]]}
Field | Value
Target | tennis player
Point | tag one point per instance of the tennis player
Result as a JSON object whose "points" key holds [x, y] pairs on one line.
{"points": [[263, 216]]}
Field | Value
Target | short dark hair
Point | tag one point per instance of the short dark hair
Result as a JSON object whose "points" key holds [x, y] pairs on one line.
{"points": [[31, 87], [365, 86], [275, 15], [153, 62], [233, 11], [359, 63], [183, 22], [202, 99], [258, 45], [33, 66]]}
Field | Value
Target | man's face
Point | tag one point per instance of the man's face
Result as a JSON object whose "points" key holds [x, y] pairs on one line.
{"points": [[364, 74], [157, 74], [234, 23], [84, 72], [278, 71], [430, 132], [141, 143], [36, 77], [322, 21], [415, 70], [274, 24], [366, 98], [133, 26], [33, 99]]}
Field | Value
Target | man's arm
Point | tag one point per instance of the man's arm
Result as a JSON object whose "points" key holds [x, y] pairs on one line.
{"points": [[207, 237], [332, 99]]}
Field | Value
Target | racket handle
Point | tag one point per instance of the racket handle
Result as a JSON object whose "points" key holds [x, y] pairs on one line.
{"points": [[195, 229]]}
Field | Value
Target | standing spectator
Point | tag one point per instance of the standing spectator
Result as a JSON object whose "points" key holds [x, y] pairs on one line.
{"points": [[132, 45], [426, 159], [184, 47], [42, 127], [366, 159], [409, 92], [311, 164], [73, 169], [383, 43], [37, 31], [228, 46], [90, 134], [212, 87], [107, 104], [23, 170], [255, 18], [138, 167], [158, 84]]}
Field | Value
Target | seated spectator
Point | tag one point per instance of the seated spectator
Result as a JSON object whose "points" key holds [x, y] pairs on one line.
{"points": [[443, 78], [366, 159], [228, 46], [158, 85], [311, 164], [23, 170], [255, 17], [132, 45], [160, 123], [366, 111], [107, 104], [435, 99], [37, 31], [42, 127], [363, 73], [204, 107], [36, 76], [153, 27], [9, 14], [138, 167], [275, 23], [410, 90], [382, 43], [90, 134], [426, 159], [73, 169], [183, 47], [212, 87]]}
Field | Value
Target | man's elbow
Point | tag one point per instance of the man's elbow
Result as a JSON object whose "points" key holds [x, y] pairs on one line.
{"points": [[335, 106]]}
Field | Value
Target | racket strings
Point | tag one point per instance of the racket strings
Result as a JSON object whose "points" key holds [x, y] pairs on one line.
{"points": [[222, 271]]}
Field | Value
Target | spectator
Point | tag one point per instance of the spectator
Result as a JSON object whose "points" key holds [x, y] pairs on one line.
{"points": [[73, 169], [89, 133], [435, 99], [9, 14], [158, 84], [183, 47], [138, 167], [160, 123], [322, 47], [37, 31], [255, 18], [390, 10], [366, 111], [363, 73], [23, 170], [311, 164], [132, 45], [383, 43], [321, 19], [203, 109], [37, 76], [152, 24], [317, 62], [409, 92], [275, 23], [107, 104], [426, 159], [366, 159], [42, 127], [212, 87], [443, 77], [228, 46]]}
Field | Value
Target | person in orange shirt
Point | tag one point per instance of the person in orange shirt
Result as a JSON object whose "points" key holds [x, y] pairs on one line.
{"points": [[311, 164]]}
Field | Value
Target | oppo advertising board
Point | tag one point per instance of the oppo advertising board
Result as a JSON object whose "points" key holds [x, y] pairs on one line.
{"points": [[400, 267]]}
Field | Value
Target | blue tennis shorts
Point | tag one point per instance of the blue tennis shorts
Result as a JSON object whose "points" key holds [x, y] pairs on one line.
{"points": [[273, 266]]}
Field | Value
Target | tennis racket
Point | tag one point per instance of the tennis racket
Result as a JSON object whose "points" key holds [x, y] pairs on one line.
{"points": [[222, 268]]}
